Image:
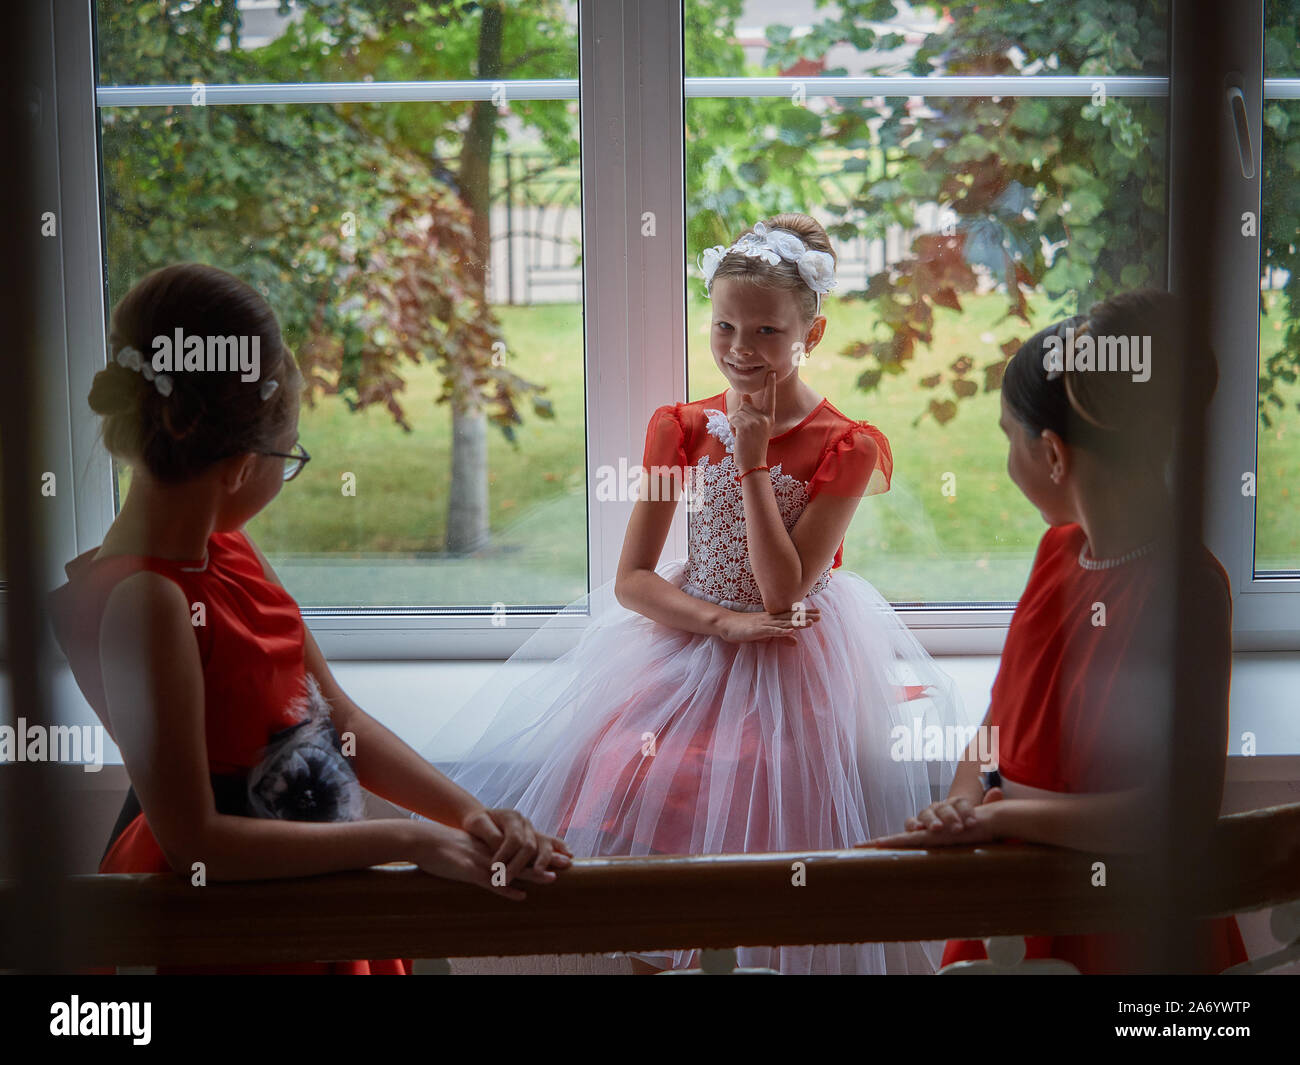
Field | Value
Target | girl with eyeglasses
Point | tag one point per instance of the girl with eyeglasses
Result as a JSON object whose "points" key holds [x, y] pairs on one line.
{"points": [[246, 758]]}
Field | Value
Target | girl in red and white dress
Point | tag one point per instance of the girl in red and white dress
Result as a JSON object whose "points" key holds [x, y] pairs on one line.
{"points": [[1078, 695], [746, 698], [198, 663]]}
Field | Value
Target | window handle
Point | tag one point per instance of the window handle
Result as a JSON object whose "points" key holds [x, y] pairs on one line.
{"points": [[1241, 123]]}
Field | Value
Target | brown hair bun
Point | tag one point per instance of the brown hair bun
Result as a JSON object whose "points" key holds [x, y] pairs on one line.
{"points": [[208, 414]]}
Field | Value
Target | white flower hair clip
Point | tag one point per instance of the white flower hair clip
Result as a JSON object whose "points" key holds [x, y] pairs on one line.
{"points": [[132, 359], [817, 268]]}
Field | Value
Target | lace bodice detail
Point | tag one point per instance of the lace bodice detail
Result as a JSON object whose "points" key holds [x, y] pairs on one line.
{"points": [[717, 564]]}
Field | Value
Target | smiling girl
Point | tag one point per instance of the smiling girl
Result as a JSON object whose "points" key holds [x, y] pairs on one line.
{"points": [[741, 699]]}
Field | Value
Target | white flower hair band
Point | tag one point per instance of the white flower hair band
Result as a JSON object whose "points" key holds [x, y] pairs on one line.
{"points": [[817, 268], [132, 359]]}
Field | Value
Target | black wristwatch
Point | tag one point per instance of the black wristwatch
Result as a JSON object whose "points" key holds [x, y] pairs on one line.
{"points": [[991, 779]]}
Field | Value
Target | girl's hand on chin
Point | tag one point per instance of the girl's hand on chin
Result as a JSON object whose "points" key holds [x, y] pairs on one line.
{"points": [[752, 423]]}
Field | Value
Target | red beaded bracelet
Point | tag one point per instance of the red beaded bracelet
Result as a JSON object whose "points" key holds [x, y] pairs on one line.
{"points": [[741, 476]]}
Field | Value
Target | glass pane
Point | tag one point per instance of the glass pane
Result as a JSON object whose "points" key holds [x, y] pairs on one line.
{"points": [[962, 226], [1277, 517], [423, 258]]}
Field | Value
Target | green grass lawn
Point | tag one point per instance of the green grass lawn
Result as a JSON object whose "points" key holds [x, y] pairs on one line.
{"points": [[383, 547], [1277, 509]]}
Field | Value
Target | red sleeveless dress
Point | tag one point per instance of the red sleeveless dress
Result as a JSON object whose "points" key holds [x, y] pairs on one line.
{"points": [[1067, 705], [251, 647]]}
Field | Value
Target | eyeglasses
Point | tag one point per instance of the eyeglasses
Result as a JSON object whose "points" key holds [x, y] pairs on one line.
{"points": [[294, 462]]}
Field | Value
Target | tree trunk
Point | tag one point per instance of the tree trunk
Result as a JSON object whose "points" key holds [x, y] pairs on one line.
{"points": [[467, 503], [467, 506]]}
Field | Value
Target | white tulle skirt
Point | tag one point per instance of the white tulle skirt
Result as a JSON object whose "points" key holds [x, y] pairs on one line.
{"points": [[645, 740]]}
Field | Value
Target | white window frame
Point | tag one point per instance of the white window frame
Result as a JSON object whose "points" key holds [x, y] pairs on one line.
{"points": [[632, 95], [1266, 611]]}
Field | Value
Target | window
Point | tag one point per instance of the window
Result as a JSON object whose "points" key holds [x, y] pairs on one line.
{"points": [[296, 145], [402, 184], [1277, 503], [973, 192]]}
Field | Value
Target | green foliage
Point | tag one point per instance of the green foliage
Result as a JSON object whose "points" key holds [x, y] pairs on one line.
{"points": [[350, 219], [1279, 229], [1063, 196]]}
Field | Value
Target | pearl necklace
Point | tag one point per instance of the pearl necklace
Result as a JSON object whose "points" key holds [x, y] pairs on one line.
{"points": [[1111, 563]]}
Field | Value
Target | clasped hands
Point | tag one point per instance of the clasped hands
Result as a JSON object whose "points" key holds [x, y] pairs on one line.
{"points": [[486, 837]]}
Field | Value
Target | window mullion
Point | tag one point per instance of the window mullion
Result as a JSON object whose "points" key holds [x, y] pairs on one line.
{"points": [[1232, 424], [79, 339], [633, 254]]}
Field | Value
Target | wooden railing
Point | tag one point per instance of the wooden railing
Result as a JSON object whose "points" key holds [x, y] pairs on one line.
{"points": [[623, 904]]}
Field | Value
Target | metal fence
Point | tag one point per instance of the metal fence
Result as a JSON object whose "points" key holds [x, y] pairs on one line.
{"points": [[536, 218]]}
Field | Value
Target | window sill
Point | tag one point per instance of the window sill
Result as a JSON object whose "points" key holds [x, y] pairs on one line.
{"points": [[397, 693]]}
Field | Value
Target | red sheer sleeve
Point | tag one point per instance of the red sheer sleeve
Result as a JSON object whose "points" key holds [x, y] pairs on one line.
{"points": [[665, 444], [859, 463]]}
